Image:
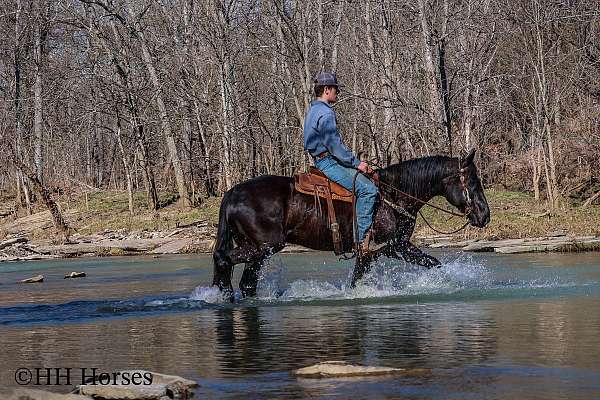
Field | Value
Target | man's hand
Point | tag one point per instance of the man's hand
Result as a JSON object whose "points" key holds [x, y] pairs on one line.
{"points": [[364, 167]]}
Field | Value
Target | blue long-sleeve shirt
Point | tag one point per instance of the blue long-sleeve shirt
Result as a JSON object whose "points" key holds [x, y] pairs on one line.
{"points": [[321, 134]]}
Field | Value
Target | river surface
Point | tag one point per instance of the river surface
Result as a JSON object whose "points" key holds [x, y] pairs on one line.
{"points": [[483, 326]]}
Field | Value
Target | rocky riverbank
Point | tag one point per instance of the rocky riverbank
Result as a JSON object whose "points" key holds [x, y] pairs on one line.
{"points": [[103, 226], [195, 239], [189, 240], [559, 242]]}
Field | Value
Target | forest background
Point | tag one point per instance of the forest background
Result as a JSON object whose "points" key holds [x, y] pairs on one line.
{"points": [[122, 107]]}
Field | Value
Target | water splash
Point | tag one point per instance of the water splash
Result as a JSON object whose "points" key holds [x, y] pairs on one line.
{"points": [[387, 278], [271, 278], [460, 276], [211, 295]]}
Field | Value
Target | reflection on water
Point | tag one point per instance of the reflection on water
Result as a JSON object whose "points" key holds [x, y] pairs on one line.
{"points": [[529, 332]]}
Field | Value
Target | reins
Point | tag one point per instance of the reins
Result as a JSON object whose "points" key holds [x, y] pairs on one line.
{"points": [[426, 203]]}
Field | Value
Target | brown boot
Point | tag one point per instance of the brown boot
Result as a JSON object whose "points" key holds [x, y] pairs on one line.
{"points": [[368, 245]]}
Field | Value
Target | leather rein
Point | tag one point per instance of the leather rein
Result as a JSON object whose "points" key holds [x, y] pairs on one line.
{"points": [[466, 194]]}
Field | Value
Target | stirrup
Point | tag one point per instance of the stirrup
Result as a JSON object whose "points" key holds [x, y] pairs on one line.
{"points": [[368, 246], [371, 248]]}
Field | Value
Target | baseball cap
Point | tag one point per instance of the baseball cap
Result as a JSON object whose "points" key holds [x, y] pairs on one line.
{"points": [[326, 79]]}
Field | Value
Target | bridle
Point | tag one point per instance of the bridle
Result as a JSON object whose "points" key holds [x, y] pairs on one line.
{"points": [[465, 191]]}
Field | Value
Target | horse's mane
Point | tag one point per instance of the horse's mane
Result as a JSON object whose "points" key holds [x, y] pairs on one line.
{"points": [[418, 176]]}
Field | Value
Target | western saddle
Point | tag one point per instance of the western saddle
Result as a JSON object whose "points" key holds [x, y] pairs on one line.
{"points": [[314, 182]]}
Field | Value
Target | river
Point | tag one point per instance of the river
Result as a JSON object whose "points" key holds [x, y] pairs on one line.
{"points": [[484, 326]]}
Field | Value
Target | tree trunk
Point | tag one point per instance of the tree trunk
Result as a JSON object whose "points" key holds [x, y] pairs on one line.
{"points": [[37, 95], [320, 44], [184, 196], [429, 67], [336, 38], [137, 125], [21, 185], [591, 199], [445, 90], [126, 164], [536, 156], [210, 189], [59, 222], [226, 113], [553, 182]]}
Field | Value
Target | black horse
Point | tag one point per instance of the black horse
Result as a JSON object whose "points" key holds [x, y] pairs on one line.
{"points": [[260, 216]]}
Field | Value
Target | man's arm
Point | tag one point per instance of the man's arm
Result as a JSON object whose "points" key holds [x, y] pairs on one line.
{"points": [[332, 140]]}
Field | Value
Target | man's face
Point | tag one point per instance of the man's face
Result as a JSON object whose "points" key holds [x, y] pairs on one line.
{"points": [[330, 94]]}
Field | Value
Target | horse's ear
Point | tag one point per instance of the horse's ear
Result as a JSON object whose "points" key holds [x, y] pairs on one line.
{"points": [[468, 160]]}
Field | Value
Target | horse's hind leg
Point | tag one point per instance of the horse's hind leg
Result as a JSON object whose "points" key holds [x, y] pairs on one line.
{"points": [[226, 259], [222, 272], [249, 280]]}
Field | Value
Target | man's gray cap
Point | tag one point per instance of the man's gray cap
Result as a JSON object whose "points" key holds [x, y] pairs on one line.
{"points": [[326, 79]]}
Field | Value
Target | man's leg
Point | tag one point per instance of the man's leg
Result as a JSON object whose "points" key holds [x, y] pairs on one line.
{"points": [[366, 195], [366, 191]]}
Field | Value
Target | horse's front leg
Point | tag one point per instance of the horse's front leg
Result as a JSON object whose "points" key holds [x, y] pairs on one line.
{"points": [[411, 254], [361, 267], [363, 264]]}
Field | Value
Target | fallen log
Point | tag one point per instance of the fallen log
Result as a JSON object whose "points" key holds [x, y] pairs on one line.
{"points": [[13, 241]]}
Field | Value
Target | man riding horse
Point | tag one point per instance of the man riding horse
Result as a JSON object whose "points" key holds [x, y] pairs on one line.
{"points": [[260, 216], [323, 142]]}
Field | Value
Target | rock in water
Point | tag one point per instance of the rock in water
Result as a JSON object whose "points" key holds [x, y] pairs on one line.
{"points": [[161, 387], [75, 275], [32, 394], [124, 392], [34, 279], [329, 369]]}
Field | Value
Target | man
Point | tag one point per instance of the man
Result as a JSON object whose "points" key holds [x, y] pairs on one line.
{"points": [[324, 143]]}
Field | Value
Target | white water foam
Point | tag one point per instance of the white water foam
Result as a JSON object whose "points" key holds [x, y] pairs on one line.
{"points": [[210, 294], [387, 278], [271, 278], [393, 278]]}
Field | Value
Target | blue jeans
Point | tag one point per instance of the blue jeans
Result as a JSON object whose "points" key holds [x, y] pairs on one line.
{"points": [[366, 191]]}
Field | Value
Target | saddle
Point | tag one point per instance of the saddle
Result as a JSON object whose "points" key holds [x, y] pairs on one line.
{"points": [[315, 183]]}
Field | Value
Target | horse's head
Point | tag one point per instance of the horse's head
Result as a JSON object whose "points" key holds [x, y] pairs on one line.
{"points": [[464, 191]]}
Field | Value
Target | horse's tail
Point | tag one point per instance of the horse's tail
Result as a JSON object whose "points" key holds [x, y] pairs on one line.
{"points": [[224, 241]]}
